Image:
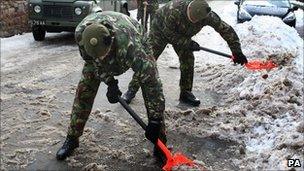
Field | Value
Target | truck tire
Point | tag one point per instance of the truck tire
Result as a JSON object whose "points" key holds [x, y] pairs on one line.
{"points": [[38, 33]]}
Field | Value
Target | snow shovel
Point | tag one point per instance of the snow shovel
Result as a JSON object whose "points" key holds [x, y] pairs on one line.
{"points": [[178, 159], [145, 16], [251, 65]]}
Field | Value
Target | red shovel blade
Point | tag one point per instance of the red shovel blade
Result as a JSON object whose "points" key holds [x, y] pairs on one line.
{"points": [[178, 159], [260, 65]]}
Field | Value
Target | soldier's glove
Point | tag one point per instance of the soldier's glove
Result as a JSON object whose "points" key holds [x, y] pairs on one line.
{"points": [[153, 131], [239, 58], [113, 92], [194, 46]]}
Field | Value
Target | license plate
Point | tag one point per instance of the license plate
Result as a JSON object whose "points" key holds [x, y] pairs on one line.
{"points": [[37, 22]]}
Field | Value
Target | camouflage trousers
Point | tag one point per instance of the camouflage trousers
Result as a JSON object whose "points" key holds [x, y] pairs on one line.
{"points": [[84, 99], [186, 59]]}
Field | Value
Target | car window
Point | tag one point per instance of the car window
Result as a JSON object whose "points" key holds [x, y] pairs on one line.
{"points": [[279, 3]]}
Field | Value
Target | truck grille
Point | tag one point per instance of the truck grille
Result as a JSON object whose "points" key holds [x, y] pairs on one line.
{"points": [[65, 12]]}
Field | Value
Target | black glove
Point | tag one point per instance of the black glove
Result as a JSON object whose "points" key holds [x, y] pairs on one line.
{"points": [[113, 92], [153, 131], [194, 46], [239, 58]]}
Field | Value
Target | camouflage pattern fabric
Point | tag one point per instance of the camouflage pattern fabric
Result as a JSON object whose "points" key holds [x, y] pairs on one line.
{"points": [[151, 9], [129, 50], [171, 25]]}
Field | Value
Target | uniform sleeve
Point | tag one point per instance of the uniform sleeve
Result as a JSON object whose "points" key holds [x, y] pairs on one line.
{"points": [[88, 59], [226, 31], [145, 69], [172, 22]]}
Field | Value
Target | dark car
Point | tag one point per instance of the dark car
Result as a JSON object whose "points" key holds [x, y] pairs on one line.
{"points": [[278, 8]]}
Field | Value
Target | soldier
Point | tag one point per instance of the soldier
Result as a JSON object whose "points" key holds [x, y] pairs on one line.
{"points": [[110, 43], [176, 23], [151, 5]]}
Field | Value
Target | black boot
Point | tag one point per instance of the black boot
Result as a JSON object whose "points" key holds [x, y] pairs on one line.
{"points": [[128, 96], [67, 148], [188, 98]]}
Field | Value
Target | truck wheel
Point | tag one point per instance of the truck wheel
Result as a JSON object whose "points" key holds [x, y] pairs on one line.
{"points": [[38, 33]]}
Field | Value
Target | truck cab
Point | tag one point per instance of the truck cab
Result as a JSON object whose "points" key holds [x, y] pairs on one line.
{"points": [[64, 15]]}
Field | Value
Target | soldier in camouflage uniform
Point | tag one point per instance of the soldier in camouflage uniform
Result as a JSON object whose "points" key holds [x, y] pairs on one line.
{"points": [[152, 6], [176, 23], [111, 43]]}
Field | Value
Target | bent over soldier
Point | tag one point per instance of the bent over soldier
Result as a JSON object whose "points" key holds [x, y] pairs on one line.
{"points": [[111, 43], [176, 23], [151, 7]]}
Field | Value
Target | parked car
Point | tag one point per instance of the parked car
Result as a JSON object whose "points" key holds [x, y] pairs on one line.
{"points": [[279, 8], [64, 15]]}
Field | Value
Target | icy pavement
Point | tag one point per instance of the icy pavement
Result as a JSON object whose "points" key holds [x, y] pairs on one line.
{"points": [[245, 121]]}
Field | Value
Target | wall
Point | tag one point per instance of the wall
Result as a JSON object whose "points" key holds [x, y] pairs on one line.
{"points": [[13, 18]]}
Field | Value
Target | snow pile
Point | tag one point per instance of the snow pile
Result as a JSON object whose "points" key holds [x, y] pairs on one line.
{"points": [[265, 115], [268, 37]]}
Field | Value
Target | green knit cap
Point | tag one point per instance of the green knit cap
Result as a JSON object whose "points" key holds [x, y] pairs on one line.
{"points": [[96, 40], [198, 10]]}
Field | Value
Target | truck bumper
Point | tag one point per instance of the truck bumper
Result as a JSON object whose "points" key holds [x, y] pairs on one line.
{"points": [[55, 26]]}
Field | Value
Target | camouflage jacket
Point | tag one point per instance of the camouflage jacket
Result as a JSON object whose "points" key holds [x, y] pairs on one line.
{"points": [[127, 51], [178, 29]]}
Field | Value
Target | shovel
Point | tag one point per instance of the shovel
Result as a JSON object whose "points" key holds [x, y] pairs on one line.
{"points": [[251, 65], [145, 17], [175, 160]]}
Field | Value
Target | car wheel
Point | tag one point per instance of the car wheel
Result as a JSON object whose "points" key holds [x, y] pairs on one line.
{"points": [[38, 33], [237, 17], [293, 23]]}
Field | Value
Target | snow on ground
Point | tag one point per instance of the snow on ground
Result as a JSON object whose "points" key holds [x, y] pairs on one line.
{"points": [[265, 116], [25, 43]]}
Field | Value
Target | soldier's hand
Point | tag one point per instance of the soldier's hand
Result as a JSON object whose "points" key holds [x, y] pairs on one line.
{"points": [[153, 131], [194, 46], [239, 58], [113, 92]]}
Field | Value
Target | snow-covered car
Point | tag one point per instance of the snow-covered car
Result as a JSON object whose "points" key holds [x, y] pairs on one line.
{"points": [[278, 8], [64, 15]]}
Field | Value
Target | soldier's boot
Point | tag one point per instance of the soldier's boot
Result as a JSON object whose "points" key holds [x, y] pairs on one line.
{"points": [[67, 148], [128, 96], [188, 98]]}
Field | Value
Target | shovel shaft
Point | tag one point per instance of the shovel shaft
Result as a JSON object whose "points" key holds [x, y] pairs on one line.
{"points": [[145, 17], [165, 150], [160, 144], [132, 113], [216, 52]]}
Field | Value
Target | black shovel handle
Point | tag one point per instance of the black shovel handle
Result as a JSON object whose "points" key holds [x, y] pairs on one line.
{"points": [[132, 113], [216, 52]]}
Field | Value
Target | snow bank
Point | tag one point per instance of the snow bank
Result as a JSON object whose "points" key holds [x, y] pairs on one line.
{"points": [[266, 115], [269, 38]]}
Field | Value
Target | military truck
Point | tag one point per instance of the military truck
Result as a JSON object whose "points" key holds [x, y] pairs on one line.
{"points": [[64, 15]]}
